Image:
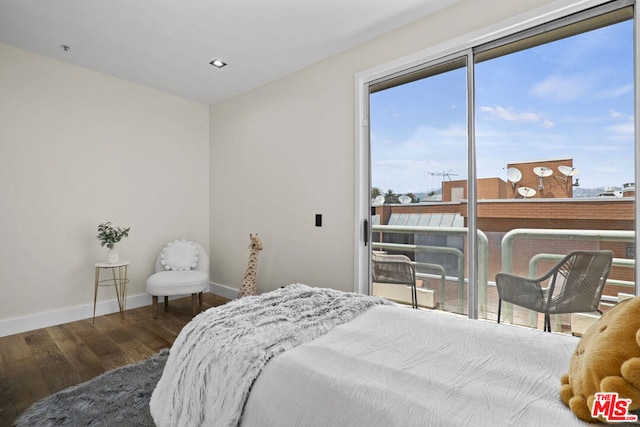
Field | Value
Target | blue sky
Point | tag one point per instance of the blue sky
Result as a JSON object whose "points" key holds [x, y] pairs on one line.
{"points": [[569, 99]]}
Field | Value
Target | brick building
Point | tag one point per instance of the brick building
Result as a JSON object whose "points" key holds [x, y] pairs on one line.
{"points": [[536, 195]]}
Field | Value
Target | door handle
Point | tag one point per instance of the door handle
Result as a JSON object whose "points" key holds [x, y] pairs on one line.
{"points": [[365, 231]]}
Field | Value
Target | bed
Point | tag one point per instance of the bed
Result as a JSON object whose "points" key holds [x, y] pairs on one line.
{"points": [[303, 356]]}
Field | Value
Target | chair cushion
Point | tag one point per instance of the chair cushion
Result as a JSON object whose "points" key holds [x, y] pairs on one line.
{"points": [[179, 255], [177, 282]]}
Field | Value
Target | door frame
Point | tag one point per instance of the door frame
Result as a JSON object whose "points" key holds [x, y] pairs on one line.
{"points": [[362, 81]]}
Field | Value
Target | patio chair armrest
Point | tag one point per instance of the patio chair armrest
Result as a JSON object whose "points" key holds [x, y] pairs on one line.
{"points": [[384, 272], [520, 290]]}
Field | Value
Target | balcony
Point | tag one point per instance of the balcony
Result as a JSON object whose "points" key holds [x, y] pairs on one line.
{"points": [[440, 257]]}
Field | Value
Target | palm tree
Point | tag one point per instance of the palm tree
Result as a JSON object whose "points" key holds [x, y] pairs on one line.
{"points": [[391, 197]]}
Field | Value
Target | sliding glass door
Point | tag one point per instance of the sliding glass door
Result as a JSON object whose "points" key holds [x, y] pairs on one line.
{"points": [[552, 145]]}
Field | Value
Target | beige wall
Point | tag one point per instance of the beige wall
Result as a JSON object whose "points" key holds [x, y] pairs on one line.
{"points": [[285, 151], [78, 148]]}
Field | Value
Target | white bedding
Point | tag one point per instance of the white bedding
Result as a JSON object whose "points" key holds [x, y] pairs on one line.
{"points": [[393, 366], [217, 356]]}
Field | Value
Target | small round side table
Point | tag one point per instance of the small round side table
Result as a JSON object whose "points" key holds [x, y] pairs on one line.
{"points": [[119, 279]]}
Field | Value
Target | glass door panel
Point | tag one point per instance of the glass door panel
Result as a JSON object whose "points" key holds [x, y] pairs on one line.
{"points": [[555, 160], [418, 125]]}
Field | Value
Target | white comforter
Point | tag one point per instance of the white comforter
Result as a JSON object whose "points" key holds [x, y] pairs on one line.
{"points": [[218, 355], [393, 366]]}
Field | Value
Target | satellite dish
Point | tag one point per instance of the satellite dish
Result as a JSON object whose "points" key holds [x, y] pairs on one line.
{"points": [[514, 175], [379, 200], [618, 194], [568, 171], [404, 199], [526, 192], [542, 171]]}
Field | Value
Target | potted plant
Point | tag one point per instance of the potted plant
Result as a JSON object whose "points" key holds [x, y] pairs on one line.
{"points": [[108, 236]]}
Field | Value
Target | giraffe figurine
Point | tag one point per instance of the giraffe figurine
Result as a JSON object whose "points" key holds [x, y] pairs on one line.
{"points": [[249, 286]]}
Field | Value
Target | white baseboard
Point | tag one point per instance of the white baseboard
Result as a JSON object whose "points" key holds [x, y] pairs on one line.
{"points": [[223, 290], [45, 319], [22, 324]]}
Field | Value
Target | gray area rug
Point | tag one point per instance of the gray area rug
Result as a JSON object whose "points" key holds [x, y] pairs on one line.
{"points": [[115, 398]]}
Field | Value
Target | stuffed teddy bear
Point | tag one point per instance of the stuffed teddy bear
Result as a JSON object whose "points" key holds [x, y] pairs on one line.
{"points": [[607, 359]]}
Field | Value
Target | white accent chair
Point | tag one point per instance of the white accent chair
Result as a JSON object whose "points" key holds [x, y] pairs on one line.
{"points": [[182, 268]]}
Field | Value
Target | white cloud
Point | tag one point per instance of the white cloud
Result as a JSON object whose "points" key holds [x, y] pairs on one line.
{"points": [[511, 115], [455, 130], [622, 131], [616, 92], [563, 89], [615, 114], [404, 165], [427, 136]]}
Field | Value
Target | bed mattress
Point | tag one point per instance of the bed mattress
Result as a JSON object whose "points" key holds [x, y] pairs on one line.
{"points": [[393, 366]]}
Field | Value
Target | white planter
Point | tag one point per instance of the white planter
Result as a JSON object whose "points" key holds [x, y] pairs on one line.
{"points": [[112, 256]]}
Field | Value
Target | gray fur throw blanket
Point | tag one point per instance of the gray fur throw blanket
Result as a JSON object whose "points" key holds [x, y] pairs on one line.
{"points": [[217, 356]]}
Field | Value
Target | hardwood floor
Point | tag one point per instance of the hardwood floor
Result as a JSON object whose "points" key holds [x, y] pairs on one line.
{"points": [[38, 363]]}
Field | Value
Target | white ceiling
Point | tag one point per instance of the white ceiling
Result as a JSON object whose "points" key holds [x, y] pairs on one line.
{"points": [[168, 44]]}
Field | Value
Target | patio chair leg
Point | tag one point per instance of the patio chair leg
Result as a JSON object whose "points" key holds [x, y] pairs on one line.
{"points": [[414, 297], [547, 322], [499, 308]]}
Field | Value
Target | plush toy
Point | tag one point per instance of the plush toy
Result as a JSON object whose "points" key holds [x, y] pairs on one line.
{"points": [[607, 359], [249, 285]]}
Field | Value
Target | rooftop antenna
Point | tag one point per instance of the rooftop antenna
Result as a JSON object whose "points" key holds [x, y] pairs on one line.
{"points": [[443, 174], [542, 172]]}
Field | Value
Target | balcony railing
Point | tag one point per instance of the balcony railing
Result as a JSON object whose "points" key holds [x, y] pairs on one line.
{"points": [[506, 256], [596, 236], [483, 256]]}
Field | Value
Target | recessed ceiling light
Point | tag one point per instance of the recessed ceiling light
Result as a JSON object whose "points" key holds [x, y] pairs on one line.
{"points": [[218, 63]]}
